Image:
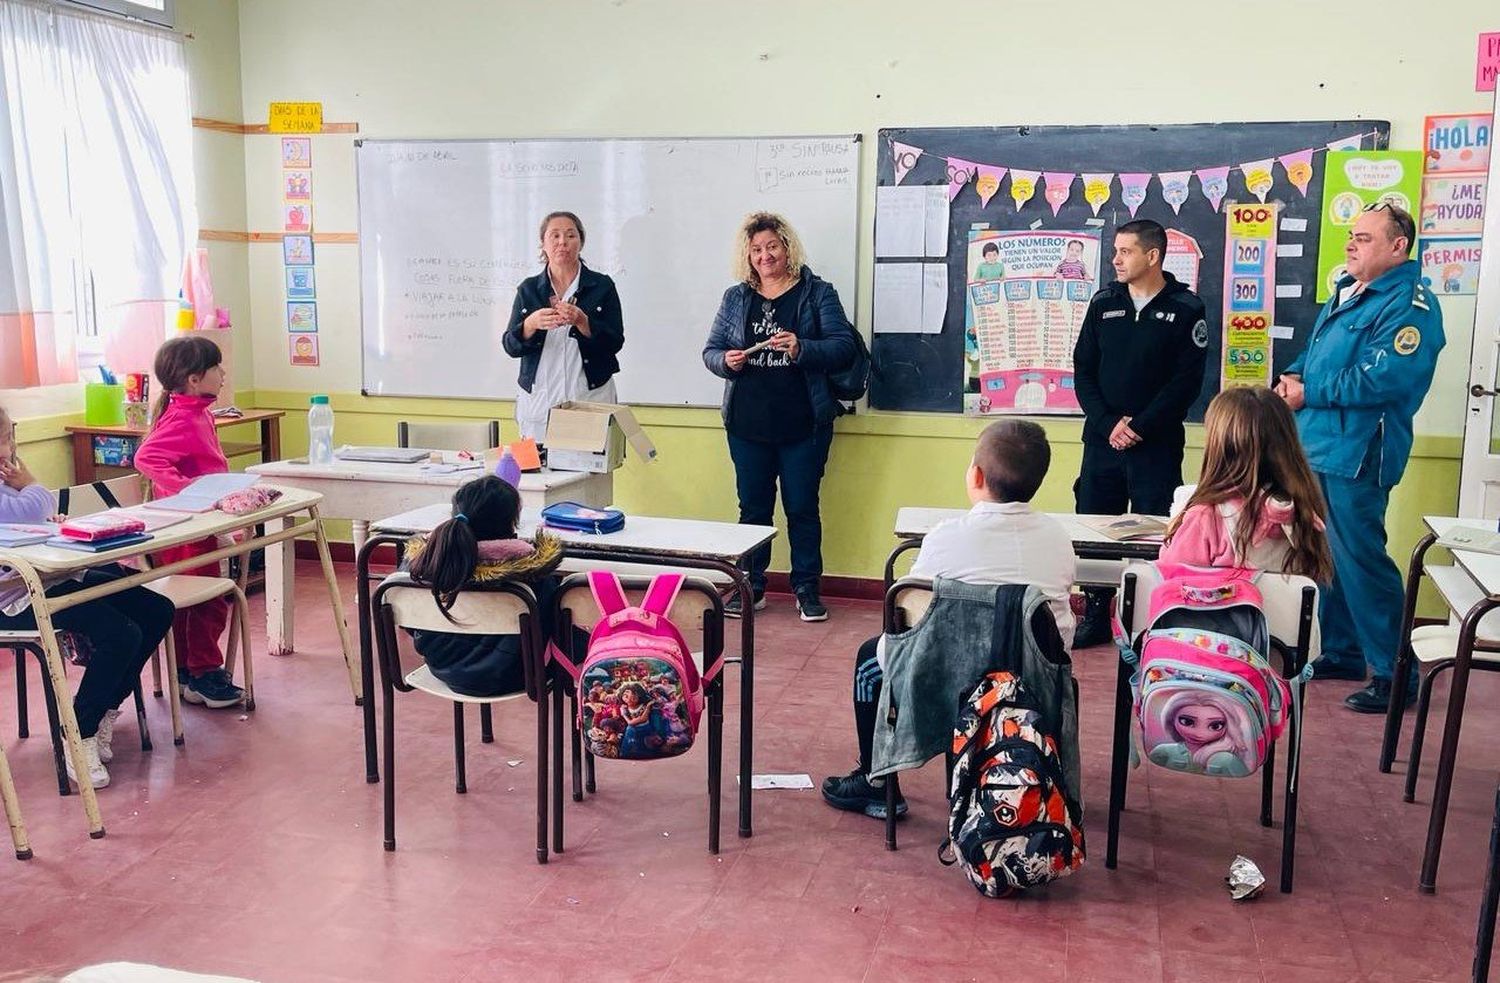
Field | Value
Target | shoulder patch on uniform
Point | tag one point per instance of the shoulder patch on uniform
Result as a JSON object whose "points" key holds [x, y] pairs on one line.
{"points": [[1200, 333], [1408, 340], [1419, 298]]}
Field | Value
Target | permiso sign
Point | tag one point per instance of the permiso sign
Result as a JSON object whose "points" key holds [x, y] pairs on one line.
{"points": [[295, 117]]}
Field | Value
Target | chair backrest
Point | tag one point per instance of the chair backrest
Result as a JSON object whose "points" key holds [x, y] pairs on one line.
{"points": [[1286, 608], [469, 435], [689, 611], [502, 608], [96, 496], [906, 602]]}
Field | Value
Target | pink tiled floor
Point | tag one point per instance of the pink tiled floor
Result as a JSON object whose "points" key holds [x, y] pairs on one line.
{"points": [[255, 850]]}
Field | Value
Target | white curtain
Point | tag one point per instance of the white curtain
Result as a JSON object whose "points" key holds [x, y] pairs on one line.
{"points": [[96, 181]]}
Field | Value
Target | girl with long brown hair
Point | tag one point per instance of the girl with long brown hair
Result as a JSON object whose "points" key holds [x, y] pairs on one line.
{"points": [[1257, 504]]}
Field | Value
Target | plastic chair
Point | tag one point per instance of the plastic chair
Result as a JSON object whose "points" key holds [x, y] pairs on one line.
{"points": [[500, 608], [698, 608], [1290, 604]]}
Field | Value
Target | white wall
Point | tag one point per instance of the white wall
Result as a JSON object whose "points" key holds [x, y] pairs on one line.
{"points": [[530, 68]]}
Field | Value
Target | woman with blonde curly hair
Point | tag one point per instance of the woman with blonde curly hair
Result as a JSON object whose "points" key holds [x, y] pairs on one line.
{"points": [[779, 332]]}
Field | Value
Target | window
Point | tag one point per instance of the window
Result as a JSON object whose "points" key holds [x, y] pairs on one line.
{"points": [[160, 12], [96, 188]]}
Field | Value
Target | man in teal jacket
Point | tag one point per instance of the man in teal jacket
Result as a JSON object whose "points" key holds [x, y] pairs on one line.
{"points": [[1355, 389]]}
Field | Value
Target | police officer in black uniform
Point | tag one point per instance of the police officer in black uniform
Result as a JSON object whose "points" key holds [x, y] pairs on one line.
{"points": [[1138, 367]]}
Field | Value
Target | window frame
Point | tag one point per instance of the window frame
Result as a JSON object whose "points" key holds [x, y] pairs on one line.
{"points": [[165, 17]]}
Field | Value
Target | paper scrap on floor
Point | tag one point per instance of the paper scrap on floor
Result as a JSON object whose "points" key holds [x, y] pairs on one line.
{"points": [[780, 781]]}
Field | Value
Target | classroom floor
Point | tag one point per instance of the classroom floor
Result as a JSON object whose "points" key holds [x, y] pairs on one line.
{"points": [[255, 851]]}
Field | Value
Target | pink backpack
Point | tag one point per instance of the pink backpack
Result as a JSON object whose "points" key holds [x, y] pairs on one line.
{"points": [[640, 695], [1207, 700]]}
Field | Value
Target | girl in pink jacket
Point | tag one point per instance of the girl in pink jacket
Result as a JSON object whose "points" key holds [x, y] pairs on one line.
{"points": [[1257, 504], [181, 447]]}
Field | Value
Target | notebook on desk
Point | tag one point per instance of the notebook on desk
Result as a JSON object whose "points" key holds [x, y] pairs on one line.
{"points": [[99, 545], [383, 455], [26, 533], [202, 495]]}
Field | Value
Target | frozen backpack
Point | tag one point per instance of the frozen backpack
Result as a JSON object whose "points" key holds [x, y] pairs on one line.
{"points": [[1011, 822], [640, 695], [1207, 700]]}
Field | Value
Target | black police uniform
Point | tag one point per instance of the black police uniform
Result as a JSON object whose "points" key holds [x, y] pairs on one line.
{"points": [[1146, 365]]}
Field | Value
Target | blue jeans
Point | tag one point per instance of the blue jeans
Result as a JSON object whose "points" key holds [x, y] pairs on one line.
{"points": [[799, 467], [1361, 610]]}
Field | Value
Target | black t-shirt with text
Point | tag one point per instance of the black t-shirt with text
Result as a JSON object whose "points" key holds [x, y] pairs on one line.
{"points": [[770, 401]]}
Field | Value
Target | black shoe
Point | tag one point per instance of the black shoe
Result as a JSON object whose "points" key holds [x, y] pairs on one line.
{"points": [[1376, 697], [213, 689], [1327, 668], [734, 609], [809, 607], [1095, 626], [854, 793]]}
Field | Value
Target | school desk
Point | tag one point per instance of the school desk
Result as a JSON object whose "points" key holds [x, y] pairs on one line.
{"points": [[691, 544], [365, 490], [32, 563]]}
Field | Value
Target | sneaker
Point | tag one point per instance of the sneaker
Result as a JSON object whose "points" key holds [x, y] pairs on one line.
{"points": [[855, 792], [809, 607], [98, 775], [734, 609], [213, 689], [1376, 697], [104, 737], [1328, 668]]}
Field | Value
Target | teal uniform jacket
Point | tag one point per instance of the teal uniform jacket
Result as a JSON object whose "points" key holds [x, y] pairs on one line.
{"points": [[1365, 372]]}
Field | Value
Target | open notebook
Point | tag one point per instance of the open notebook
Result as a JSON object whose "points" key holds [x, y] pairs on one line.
{"points": [[203, 494]]}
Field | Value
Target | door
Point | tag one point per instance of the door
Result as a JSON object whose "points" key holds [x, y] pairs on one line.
{"points": [[1479, 476]]}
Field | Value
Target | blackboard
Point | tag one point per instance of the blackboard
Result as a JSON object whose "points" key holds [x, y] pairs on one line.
{"points": [[925, 371]]}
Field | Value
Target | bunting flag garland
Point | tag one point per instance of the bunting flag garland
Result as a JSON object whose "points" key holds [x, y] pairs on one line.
{"points": [[904, 157], [988, 182], [960, 173], [1174, 188], [1022, 186], [1096, 189], [1214, 183], [1176, 185], [1133, 190], [1299, 169], [1059, 188]]}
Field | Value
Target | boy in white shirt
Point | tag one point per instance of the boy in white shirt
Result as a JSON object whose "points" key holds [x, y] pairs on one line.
{"points": [[1000, 540]]}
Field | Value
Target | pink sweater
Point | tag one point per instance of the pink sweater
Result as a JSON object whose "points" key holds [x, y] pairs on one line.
{"points": [[181, 447], [1206, 537]]}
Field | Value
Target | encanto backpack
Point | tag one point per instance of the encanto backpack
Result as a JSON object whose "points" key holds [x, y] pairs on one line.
{"points": [[640, 695], [1206, 699]]}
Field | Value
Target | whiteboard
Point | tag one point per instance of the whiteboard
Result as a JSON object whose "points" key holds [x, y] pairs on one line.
{"points": [[448, 228]]}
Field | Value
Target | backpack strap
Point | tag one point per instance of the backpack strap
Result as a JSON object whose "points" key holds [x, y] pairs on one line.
{"points": [[662, 593], [608, 594]]}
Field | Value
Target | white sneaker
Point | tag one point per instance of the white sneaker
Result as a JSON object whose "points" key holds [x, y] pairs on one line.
{"points": [[98, 776], [105, 736]]}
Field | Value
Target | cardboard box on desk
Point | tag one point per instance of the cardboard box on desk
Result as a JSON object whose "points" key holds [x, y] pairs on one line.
{"points": [[592, 437]]}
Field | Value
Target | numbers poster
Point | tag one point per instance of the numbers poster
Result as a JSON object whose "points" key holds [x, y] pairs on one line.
{"points": [[1027, 294], [1249, 294]]}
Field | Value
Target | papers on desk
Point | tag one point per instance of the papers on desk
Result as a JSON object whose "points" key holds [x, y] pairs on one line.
{"points": [[1472, 539], [475, 466], [202, 495], [154, 519], [1125, 527], [26, 533]]}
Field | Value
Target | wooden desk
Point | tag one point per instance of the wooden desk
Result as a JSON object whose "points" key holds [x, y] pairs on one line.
{"points": [[269, 448], [692, 544], [363, 490], [32, 563]]}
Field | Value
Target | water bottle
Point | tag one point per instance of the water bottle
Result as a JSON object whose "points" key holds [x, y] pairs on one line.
{"points": [[508, 469], [320, 431]]}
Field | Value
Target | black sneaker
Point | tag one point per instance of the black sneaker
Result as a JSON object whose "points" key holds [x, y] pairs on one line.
{"points": [[213, 689], [854, 793], [1376, 697], [1327, 668], [734, 609], [809, 607]]}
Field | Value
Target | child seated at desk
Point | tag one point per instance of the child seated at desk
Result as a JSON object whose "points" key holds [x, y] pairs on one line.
{"points": [[183, 445], [122, 629], [1000, 541], [477, 545]]}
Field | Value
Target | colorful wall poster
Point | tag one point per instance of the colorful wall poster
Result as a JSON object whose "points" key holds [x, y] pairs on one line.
{"points": [[297, 250], [1354, 180], [303, 349], [1452, 204], [1487, 62], [1451, 266], [1183, 257], [296, 152], [1027, 296], [302, 316], [1249, 294], [301, 284], [297, 216], [296, 185], [295, 117], [1459, 142]]}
